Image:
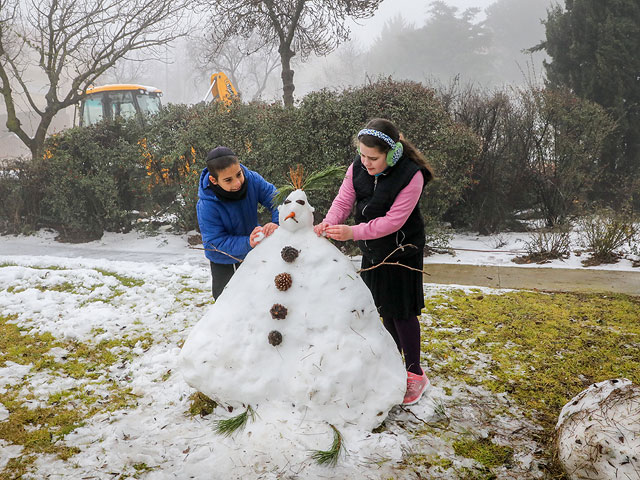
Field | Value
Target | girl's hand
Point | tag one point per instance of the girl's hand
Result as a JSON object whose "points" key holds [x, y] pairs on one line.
{"points": [[339, 232], [269, 228], [320, 229]]}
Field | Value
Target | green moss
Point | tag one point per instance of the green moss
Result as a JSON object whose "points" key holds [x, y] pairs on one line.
{"points": [[141, 467], [42, 429], [427, 461], [48, 267], [483, 451], [541, 349], [191, 290], [201, 405], [19, 346], [124, 280], [545, 348]]}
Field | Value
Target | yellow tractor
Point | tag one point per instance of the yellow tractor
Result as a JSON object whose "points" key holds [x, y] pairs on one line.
{"points": [[119, 100], [221, 88], [126, 100]]}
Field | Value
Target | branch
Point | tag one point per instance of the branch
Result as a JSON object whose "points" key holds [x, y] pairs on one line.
{"points": [[214, 249], [384, 262]]}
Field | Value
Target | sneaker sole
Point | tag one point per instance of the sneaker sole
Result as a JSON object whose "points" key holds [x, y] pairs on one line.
{"points": [[426, 387]]}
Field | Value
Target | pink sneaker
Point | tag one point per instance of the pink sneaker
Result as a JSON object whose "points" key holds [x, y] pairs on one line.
{"points": [[416, 385]]}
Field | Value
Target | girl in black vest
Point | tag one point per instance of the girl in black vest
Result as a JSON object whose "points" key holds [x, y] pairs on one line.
{"points": [[385, 183]]}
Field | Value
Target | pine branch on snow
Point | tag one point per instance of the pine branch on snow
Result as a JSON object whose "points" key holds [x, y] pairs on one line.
{"points": [[229, 426], [330, 457]]}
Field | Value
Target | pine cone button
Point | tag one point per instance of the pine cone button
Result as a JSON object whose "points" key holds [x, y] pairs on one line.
{"points": [[289, 254], [283, 281], [275, 338], [278, 311]]}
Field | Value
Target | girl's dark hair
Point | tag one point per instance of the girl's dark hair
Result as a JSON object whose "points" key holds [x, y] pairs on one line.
{"points": [[387, 127]]}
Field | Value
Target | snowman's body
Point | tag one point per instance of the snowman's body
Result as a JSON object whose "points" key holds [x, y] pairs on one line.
{"points": [[336, 363]]}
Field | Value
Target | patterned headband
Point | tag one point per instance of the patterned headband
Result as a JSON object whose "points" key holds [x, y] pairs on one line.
{"points": [[375, 133]]}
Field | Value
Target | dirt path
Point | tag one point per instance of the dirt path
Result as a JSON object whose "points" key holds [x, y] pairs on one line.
{"points": [[540, 278]]}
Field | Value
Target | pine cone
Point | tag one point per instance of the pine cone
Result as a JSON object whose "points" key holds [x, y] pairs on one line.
{"points": [[278, 311], [289, 254], [283, 281], [275, 338]]}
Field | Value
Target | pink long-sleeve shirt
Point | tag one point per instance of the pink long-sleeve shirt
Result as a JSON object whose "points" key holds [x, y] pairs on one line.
{"points": [[397, 215]]}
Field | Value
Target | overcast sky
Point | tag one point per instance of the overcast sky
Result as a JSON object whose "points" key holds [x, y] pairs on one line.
{"points": [[413, 11]]}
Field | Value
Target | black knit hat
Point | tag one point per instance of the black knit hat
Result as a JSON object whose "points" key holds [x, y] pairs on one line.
{"points": [[220, 152]]}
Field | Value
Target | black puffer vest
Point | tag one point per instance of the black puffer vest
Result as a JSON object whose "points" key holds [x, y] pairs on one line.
{"points": [[374, 197]]}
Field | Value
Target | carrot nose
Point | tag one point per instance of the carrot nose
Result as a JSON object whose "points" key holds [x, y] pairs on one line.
{"points": [[291, 215]]}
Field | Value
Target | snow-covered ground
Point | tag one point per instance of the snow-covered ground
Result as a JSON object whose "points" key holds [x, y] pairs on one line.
{"points": [[166, 248], [157, 287], [502, 248]]}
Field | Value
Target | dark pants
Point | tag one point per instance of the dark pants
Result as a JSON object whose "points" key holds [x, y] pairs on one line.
{"points": [[221, 273], [406, 333]]}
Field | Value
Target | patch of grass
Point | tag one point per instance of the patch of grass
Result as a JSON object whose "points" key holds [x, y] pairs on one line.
{"points": [[427, 461], [545, 348], [124, 280], [201, 405], [48, 267], [192, 290], [483, 451], [18, 346], [541, 349], [40, 425]]}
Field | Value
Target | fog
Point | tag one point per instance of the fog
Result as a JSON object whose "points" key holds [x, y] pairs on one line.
{"points": [[405, 39], [419, 40]]}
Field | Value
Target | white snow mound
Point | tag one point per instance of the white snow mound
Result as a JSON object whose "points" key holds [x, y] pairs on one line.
{"points": [[336, 362], [598, 432]]}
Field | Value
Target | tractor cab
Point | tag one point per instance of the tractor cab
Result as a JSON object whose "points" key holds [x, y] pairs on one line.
{"points": [[109, 102]]}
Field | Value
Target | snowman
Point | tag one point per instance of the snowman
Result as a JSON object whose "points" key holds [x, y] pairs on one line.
{"points": [[296, 336]]}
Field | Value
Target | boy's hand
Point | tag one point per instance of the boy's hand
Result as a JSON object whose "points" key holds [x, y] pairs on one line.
{"points": [[256, 235], [340, 232], [320, 229], [269, 228]]}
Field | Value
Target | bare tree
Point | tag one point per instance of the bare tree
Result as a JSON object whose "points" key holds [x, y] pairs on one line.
{"points": [[294, 26], [71, 43]]}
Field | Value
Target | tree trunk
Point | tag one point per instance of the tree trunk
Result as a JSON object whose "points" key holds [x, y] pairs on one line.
{"points": [[287, 76], [36, 144]]}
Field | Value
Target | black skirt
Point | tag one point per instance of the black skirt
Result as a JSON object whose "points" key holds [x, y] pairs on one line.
{"points": [[397, 290]]}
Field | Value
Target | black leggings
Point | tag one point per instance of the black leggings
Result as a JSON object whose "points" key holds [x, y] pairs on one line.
{"points": [[221, 273], [406, 333]]}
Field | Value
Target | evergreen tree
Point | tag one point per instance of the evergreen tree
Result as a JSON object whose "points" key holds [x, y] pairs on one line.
{"points": [[593, 45]]}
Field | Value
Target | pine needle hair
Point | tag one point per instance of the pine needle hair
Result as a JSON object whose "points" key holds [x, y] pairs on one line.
{"points": [[388, 128]]}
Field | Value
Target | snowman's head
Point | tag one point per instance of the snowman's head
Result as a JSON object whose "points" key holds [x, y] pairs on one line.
{"points": [[295, 213]]}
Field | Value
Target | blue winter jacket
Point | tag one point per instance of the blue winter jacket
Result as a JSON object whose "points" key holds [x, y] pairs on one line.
{"points": [[226, 224]]}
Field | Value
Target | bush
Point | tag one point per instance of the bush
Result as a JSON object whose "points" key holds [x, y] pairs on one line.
{"points": [[561, 137], [540, 148], [92, 180], [603, 233], [21, 193], [547, 244], [498, 186], [96, 175], [320, 132]]}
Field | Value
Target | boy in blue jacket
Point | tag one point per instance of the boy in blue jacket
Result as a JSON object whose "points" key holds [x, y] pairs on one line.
{"points": [[227, 209]]}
